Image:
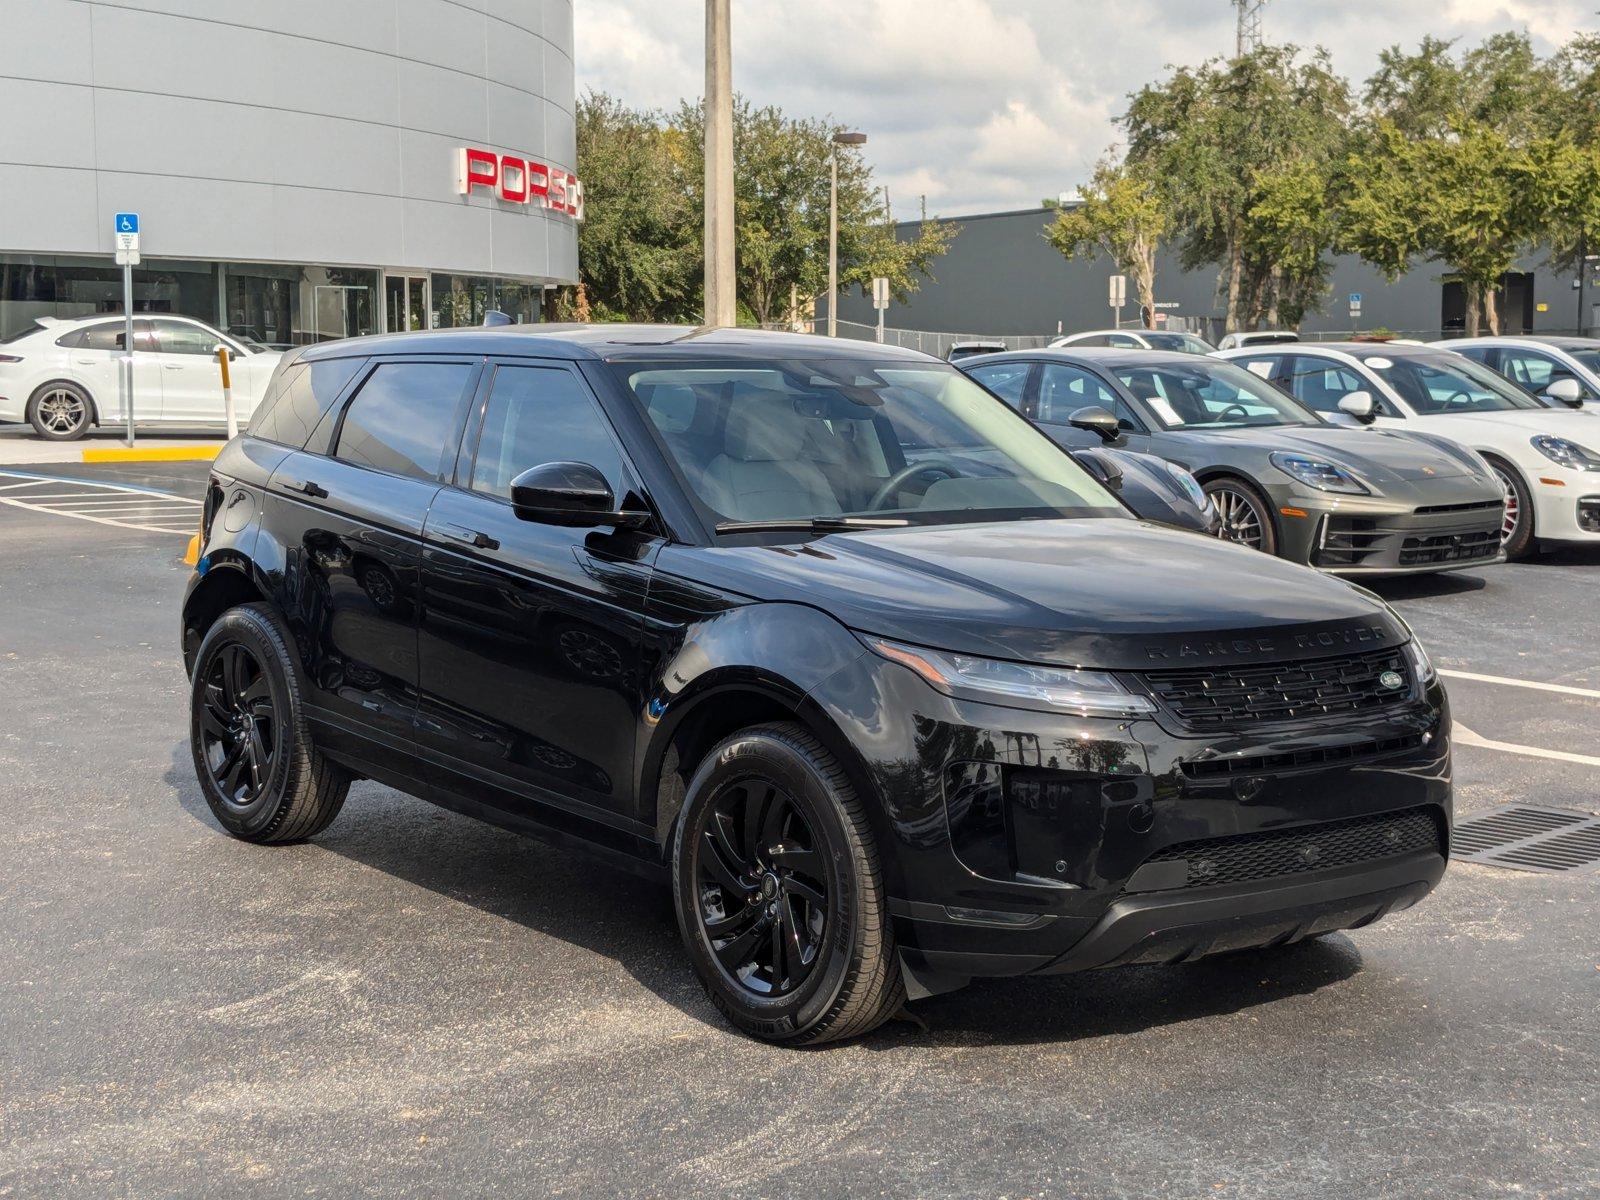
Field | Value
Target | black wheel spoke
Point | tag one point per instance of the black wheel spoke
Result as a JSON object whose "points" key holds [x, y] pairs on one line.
{"points": [[799, 887], [231, 767], [797, 859], [731, 923], [259, 756], [780, 953], [737, 951], [257, 692], [213, 724], [721, 870], [759, 798]]}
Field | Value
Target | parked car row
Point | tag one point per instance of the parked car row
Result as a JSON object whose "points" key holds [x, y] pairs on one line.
{"points": [[1462, 415]]}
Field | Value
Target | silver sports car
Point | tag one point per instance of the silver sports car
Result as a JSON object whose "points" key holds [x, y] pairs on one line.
{"points": [[1346, 500]]}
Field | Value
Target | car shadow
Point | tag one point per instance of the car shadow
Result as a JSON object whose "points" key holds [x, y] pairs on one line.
{"points": [[1426, 587], [584, 903]]}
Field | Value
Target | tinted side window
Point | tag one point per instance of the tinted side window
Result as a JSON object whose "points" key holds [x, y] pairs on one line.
{"points": [[1534, 370], [1006, 380], [537, 415], [299, 397], [175, 337], [109, 336], [1064, 389], [404, 420]]}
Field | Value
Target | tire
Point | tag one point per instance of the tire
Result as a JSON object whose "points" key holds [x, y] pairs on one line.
{"points": [[1242, 509], [730, 892], [1516, 534], [259, 771], [61, 411]]}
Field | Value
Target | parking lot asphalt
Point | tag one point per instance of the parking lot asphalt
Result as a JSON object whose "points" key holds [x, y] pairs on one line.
{"points": [[418, 1004]]}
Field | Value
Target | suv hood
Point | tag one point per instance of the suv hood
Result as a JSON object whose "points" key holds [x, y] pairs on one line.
{"points": [[1380, 455], [1109, 593]]}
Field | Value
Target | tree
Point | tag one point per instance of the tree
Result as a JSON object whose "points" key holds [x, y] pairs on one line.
{"points": [[781, 172], [638, 249], [1122, 217], [1265, 132], [1455, 162]]}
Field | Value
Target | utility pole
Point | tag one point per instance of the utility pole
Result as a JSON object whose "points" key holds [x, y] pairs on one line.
{"points": [[1248, 36], [839, 139], [721, 297]]}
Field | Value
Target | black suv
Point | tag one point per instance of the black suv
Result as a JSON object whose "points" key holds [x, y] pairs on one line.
{"points": [[892, 691]]}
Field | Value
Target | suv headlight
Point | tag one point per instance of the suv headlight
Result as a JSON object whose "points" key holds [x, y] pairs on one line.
{"points": [[1421, 664], [1320, 474], [1017, 685], [1567, 453]]}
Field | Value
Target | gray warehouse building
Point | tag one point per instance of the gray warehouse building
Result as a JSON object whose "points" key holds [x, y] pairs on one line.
{"points": [[302, 169], [1000, 277]]}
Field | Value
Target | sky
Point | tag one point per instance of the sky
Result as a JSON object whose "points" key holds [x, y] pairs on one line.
{"points": [[989, 105]]}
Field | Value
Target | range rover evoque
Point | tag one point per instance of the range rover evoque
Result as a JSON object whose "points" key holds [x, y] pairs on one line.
{"points": [[889, 690]]}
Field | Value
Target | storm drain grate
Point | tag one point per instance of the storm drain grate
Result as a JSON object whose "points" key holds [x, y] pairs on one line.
{"points": [[1526, 838]]}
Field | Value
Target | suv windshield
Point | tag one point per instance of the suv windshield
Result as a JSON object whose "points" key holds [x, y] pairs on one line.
{"points": [[819, 439], [1210, 395], [1444, 384]]}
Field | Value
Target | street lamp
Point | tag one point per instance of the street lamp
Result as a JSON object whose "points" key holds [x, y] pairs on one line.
{"points": [[839, 139]]}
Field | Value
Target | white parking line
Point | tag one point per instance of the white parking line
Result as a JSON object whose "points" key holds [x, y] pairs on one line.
{"points": [[118, 505], [1559, 688], [1466, 737]]}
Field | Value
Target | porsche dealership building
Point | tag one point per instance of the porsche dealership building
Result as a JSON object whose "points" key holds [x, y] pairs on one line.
{"points": [[301, 170]]}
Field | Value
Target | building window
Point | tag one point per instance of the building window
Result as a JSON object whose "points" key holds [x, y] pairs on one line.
{"points": [[284, 306], [462, 300], [33, 286]]}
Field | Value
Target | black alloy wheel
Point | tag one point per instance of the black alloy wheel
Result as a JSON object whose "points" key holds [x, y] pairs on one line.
{"points": [[240, 728], [779, 892], [262, 776], [763, 896]]}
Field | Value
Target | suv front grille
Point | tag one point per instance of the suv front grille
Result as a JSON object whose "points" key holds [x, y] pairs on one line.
{"points": [[1244, 858], [1420, 550], [1232, 697]]}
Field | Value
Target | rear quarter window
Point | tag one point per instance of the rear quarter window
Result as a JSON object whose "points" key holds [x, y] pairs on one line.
{"points": [[298, 397]]}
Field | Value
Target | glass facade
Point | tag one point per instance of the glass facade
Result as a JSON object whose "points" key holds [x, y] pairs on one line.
{"points": [[275, 304]]}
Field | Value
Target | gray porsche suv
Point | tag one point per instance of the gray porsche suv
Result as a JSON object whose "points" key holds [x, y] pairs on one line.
{"points": [[1346, 500]]}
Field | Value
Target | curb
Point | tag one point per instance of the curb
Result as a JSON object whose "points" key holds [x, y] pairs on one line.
{"points": [[125, 454]]}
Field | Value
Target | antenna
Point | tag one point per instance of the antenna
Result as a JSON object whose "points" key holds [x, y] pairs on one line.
{"points": [[1249, 35]]}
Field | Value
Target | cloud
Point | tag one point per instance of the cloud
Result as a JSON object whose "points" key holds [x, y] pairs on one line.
{"points": [[990, 104]]}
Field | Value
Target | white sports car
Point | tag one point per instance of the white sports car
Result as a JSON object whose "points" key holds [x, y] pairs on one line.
{"points": [[1563, 370], [1548, 459], [61, 376]]}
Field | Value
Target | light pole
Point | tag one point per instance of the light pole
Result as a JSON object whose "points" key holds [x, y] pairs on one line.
{"points": [[839, 139], [721, 296]]}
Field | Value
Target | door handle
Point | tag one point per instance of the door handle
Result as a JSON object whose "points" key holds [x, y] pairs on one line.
{"points": [[308, 488], [470, 537], [173, 366]]}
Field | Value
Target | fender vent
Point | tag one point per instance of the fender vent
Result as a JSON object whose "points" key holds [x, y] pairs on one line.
{"points": [[1525, 837]]}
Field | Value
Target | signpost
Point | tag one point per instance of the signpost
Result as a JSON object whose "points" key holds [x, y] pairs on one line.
{"points": [[1119, 295], [1355, 309], [125, 231], [880, 300]]}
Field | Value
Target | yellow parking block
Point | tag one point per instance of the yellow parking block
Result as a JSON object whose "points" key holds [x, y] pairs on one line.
{"points": [[122, 454], [191, 555]]}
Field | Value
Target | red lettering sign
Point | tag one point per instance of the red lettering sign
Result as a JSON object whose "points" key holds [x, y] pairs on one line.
{"points": [[518, 180]]}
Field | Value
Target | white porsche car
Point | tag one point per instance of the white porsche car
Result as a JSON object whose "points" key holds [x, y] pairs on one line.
{"points": [[1563, 370], [61, 376], [1548, 459]]}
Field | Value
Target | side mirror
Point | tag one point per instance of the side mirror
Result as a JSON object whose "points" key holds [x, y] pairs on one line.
{"points": [[1097, 420], [1359, 405], [568, 493], [1568, 391]]}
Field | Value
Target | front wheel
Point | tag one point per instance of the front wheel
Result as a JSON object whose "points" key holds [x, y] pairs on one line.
{"points": [[1246, 515], [261, 775], [1516, 528], [779, 894]]}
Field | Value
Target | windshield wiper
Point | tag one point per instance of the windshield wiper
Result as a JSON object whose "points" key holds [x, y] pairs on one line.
{"points": [[812, 525]]}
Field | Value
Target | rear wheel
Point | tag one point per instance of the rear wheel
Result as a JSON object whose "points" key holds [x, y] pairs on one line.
{"points": [[1246, 515], [1516, 530], [779, 894], [262, 776], [61, 412]]}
